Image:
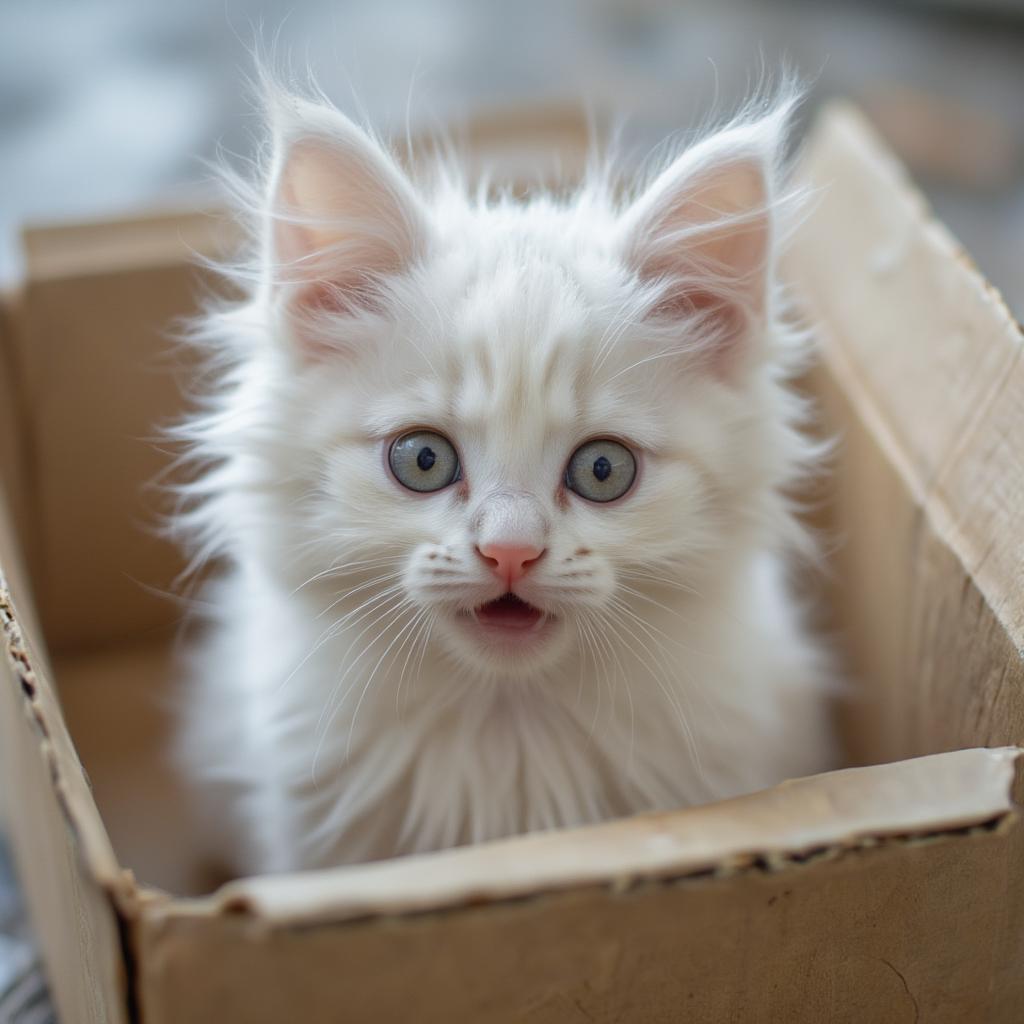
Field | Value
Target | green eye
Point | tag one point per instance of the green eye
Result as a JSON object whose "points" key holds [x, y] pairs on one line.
{"points": [[601, 470], [423, 461]]}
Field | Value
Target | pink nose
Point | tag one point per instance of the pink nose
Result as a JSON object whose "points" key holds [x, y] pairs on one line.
{"points": [[510, 561]]}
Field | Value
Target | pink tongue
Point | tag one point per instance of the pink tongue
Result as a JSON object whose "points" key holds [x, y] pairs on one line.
{"points": [[508, 611]]}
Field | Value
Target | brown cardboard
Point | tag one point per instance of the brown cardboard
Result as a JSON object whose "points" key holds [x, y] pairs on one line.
{"points": [[80, 407], [68, 869], [893, 892], [924, 350], [866, 938]]}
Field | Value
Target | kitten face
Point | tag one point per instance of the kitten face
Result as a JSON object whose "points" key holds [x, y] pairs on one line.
{"points": [[512, 567]]}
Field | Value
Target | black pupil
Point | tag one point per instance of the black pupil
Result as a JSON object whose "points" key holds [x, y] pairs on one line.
{"points": [[602, 468], [426, 459]]}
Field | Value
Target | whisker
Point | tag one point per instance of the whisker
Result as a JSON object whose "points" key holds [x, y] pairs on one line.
{"points": [[345, 568], [392, 615], [650, 600], [608, 646], [380, 613], [667, 581], [373, 672], [649, 627], [334, 629], [418, 670], [663, 684], [405, 664], [346, 594], [597, 704]]}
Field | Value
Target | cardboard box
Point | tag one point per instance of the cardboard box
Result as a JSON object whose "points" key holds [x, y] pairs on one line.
{"points": [[885, 893]]}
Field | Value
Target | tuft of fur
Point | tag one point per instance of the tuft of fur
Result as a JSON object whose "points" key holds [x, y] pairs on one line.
{"points": [[339, 711]]}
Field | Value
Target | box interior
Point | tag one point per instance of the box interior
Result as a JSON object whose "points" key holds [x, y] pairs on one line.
{"points": [[95, 375]]}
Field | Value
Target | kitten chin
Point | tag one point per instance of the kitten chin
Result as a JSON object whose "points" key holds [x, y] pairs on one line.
{"points": [[498, 486]]}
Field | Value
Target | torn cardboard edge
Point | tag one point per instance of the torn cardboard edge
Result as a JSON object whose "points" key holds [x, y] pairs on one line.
{"points": [[787, 826], [70, 785]]}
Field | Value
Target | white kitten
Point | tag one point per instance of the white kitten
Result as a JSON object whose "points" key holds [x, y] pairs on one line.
{"points": [[499, 486]]}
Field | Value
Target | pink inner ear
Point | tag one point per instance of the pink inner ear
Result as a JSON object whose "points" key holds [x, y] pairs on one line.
{"points": [[316, 284], [313, 309], [724, 322], [338, 297], [687, 303], [343, 218], [704, 231]]}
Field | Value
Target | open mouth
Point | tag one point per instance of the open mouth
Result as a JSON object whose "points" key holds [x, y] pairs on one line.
{"points": [[509, 612]]}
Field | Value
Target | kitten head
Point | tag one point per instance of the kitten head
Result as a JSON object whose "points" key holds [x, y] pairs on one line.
{"points": [[513, 426]]}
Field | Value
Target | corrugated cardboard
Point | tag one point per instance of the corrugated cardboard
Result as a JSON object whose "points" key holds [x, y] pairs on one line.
{"points": [[885, 893]]}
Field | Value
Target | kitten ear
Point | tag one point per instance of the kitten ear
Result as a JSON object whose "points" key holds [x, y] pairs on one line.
{"points": [[341, 216], [703, 235]]}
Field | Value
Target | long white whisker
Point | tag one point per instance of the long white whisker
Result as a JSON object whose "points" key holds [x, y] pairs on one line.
{"points": [[346, 594], [345, 568], [611, 649], [409, 654], [335, 628], [380, 612], [587, 643], [327, 718], [369, 679], [663, 684], [418, 670]]}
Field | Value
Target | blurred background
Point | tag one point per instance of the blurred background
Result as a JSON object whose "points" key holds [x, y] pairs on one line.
{"points": [[108, 106]]}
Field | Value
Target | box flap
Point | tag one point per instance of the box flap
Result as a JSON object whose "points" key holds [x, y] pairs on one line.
{"points": [[874, 931], [839, 810], [926, 345]]}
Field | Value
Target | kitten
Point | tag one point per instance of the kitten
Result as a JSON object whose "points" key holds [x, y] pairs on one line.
{"points": [[500, 489]]}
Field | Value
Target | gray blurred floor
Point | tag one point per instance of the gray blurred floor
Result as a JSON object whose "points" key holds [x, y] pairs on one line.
{"points": [[106, 105], [23, 996]]}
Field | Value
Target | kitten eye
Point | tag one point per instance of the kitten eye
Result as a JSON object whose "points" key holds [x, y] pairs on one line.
{"points": [[601, 470], [423, 461]]}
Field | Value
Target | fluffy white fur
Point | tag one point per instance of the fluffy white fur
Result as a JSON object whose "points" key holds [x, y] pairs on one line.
{"points": [[343, 709]]}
